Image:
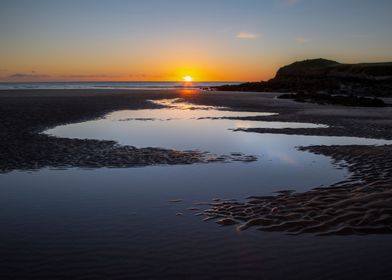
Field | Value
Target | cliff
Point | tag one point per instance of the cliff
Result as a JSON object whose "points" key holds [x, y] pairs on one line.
{"points": [[327, 76]]}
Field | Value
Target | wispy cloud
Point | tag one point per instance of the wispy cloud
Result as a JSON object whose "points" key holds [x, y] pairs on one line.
{"points": [[27, 76], [246, 35], [302, 40], [110, 76], [143, 76], [287, 3], [87, 76]]}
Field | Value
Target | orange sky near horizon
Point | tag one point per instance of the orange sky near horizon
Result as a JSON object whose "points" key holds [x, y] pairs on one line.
{"points": [[152, 66], [210, 40]]}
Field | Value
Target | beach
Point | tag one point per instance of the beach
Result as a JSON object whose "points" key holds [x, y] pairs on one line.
{"points": [[195, 140], [27, 113], [74, 203], [359, 205]]}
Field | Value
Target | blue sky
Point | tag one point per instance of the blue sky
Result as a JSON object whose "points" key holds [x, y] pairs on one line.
{"points": [[164, 39]]}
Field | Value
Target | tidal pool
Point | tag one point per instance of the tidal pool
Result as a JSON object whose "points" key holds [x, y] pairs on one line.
{"points": [[117, 223], [185, 126]]}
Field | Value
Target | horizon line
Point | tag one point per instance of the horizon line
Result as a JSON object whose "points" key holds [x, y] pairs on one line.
{"points": [[111, 81]]}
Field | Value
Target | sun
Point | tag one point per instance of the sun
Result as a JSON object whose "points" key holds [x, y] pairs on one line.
{"points": [[188, 79]]}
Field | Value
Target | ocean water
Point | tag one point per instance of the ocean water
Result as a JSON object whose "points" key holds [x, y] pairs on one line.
{"points": [[112, 223], [112, 85]]}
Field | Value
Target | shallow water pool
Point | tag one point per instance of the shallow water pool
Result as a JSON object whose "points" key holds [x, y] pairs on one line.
{"points": [[117, 223]]}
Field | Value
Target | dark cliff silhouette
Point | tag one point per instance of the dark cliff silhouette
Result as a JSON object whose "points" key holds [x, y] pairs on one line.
{"points": [[322, 76]]}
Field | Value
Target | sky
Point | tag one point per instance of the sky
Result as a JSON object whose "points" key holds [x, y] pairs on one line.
{"points": [[165, 40]]}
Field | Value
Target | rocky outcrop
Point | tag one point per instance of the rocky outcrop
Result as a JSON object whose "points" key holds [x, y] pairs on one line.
{"points": [[327, 76], [323, 68]]}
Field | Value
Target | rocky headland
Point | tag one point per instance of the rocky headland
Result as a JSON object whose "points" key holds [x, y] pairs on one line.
{"points": [[326, 76]]}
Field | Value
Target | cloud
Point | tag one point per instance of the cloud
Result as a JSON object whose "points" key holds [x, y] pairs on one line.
{"points": [[87, 76], [108, 77], [302, 40], [287, 3], [27, 76], [246, 35], [145, 76]]}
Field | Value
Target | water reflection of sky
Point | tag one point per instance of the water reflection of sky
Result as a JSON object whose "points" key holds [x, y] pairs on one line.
{"points": [[181, 126], [119, 221], [187, 126]]}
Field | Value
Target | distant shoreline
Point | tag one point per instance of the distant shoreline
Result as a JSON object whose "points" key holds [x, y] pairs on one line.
{"points": [[133, 85]]}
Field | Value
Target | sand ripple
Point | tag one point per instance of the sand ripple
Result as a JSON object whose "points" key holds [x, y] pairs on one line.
{"points": [[35, 151], [360, 205]]}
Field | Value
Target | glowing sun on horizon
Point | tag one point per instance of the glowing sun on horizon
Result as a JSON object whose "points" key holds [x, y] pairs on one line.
{"points": [[188, 79]]}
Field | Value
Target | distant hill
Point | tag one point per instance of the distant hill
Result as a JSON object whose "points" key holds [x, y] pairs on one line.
{"points": [[326, 76], [328, 68]]}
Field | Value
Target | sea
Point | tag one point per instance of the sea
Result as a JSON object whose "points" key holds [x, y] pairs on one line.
{"points": [[113, 85]]}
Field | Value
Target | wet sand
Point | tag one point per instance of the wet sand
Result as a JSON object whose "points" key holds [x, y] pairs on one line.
{"points": [[25, 114], [361, 205], [342, 120]]}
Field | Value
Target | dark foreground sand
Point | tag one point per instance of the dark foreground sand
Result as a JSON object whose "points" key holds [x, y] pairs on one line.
{"points": [[25, 114], [359, 206]]}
